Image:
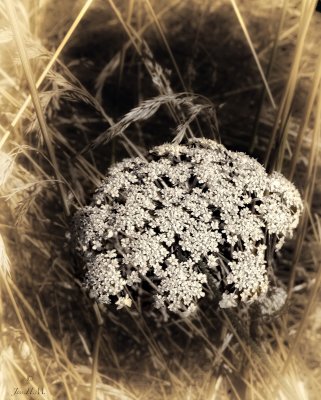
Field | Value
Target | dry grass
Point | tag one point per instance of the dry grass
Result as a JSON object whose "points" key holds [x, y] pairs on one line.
{"points": [[65, 78]]}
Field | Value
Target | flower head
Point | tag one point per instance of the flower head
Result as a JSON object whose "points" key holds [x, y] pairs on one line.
{"points": [[162, 219]]}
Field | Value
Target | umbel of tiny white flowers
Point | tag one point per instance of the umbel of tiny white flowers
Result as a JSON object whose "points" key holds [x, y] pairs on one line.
{"points": [[185, 214]]}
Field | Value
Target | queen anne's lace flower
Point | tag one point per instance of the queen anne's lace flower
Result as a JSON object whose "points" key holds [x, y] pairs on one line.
{"points": [[161, 220]]}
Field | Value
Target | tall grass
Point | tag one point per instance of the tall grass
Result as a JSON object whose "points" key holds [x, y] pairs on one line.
{"points": [[65, 79]]}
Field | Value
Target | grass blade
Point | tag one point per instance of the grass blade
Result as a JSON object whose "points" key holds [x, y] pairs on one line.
{"points": [[52, 61], [306, 116], [279, 131], [253, 51], [35, 98]]}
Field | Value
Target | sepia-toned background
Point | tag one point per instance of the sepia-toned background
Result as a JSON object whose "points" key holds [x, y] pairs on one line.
{"points": [[68, 71]]}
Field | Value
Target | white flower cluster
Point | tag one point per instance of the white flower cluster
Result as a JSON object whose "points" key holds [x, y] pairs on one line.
{"points": [[157, 222], [273, 302]]}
